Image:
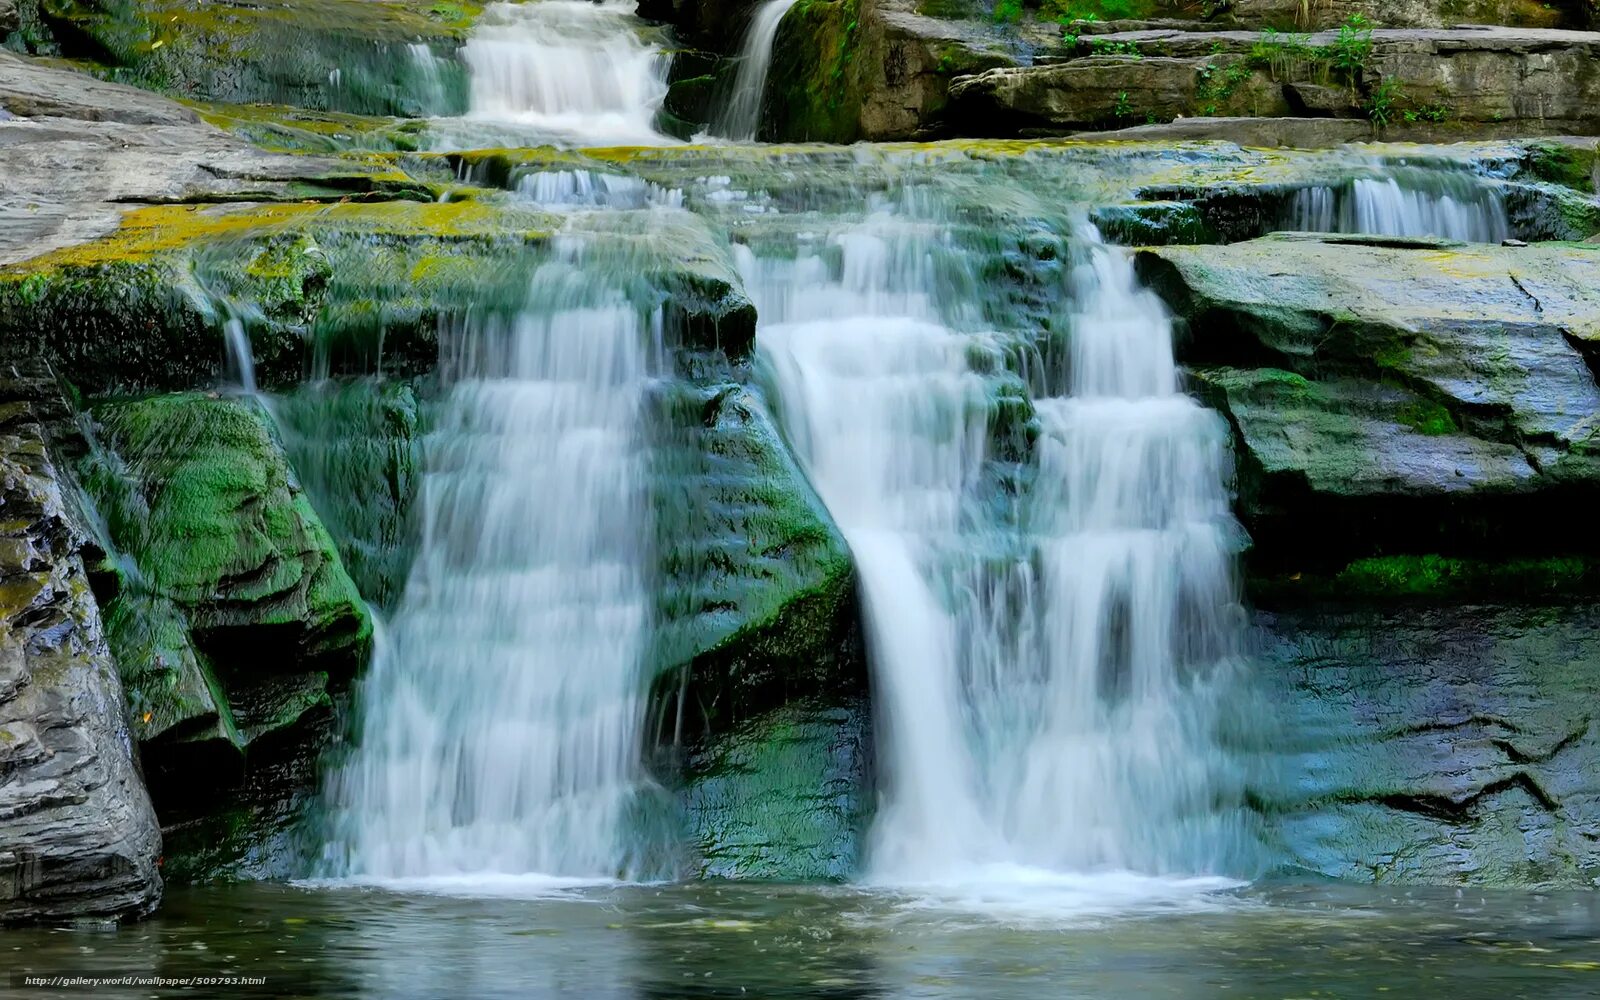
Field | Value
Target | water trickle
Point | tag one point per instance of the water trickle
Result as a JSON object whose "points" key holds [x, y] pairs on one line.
{"points": [[562, 71], [1465, 210], [501, 717], [240, 368], [741, 118], [1047, 667]]}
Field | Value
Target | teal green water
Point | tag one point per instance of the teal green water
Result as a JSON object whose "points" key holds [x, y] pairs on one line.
{"points": [[725, 940]]}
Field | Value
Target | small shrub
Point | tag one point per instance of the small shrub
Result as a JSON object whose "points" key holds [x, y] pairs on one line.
{"points": [[1380, 103], [1351, 49]]}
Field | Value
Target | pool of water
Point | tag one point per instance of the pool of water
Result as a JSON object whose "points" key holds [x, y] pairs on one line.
{"points": [[1176, 939]]}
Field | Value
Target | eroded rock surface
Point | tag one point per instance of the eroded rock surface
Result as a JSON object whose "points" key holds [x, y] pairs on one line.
{"points": [[80, 837], [1449, 746]]}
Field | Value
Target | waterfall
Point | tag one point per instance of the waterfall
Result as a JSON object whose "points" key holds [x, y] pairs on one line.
{"points": [[500, 720], [741, 118], [1047, 670], [569, 72], [1466, 211]]}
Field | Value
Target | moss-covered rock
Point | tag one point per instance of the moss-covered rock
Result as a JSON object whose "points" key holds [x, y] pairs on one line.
{"points": [[1411, 398], [756, 589], [234, 613], [384, 57], [342, 284]]}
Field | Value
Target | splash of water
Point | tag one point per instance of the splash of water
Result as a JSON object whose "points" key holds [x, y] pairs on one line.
{"points": [[500, 719], [1047, 668], [741, 118], [1384, 206]]}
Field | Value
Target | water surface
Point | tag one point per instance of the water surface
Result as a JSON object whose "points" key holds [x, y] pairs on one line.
{"points": [[749, 940]]}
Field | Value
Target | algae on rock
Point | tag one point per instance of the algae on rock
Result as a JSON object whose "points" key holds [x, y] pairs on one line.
{"points": [[233, 615]]}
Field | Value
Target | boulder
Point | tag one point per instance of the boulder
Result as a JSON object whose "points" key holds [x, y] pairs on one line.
{"points": [[757, 603], [1407, 396], [873, 70], [786, 797], [81, 838]]}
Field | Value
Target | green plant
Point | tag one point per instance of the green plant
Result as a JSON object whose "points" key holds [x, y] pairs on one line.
{"points": [[1102, 47], [1123, 107], [1351, 49], [1380, 102], [1215, 86], [1427, 113], [1007, 11]]}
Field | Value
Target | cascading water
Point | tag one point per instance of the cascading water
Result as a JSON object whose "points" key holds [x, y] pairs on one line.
{"points": [[1046, 669], [741, 118], [569, 72], [1373, 206], [500, 720]]}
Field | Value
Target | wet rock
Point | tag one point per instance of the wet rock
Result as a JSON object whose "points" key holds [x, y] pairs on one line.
{"points": [[785, 797], [234, 618], [756, 586], [1452, 746], [80, 835], [342, 55], [1407, 396]]}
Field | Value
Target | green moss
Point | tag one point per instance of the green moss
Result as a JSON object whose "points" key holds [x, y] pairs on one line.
{"points": [[817, 73], [1567, 164], [1441, 576], [234, 593], [1435, 577], [1428, 417]]}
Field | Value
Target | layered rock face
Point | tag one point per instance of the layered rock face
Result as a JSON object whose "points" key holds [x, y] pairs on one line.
{"points": [[80, 835], [1518, 81]]}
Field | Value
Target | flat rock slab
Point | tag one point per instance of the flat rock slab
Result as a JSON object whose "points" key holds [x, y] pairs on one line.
{"points": [[76, 151]]}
